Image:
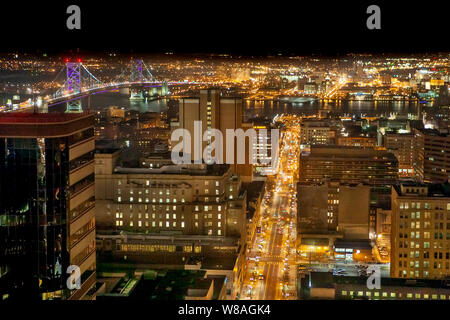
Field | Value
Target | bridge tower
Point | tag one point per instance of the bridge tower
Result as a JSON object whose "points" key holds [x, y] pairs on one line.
{"points": [[139, 74], [137, 67], [73, 85]]}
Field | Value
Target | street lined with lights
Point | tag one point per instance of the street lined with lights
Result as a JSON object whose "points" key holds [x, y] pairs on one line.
{"points": [[271, 259]]}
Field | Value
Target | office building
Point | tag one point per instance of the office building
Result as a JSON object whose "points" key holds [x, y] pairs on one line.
{"points": [[314, 132], [402, 146], [262, 158], [47, 219], [357, 141], [370, 166], [168, 214], [215, 112], [330, 211], [432, 164], [323, 285], [420, 231]]}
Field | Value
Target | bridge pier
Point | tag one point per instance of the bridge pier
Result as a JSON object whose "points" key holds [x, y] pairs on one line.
{"points": [[164, 89], [44, 107], [153, 91], [136, 95], [74, 106]]}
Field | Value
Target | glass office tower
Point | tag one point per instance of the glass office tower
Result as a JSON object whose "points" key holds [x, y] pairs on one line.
{"points": [[47, 220]]}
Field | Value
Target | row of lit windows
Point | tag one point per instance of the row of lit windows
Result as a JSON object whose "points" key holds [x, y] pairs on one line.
{"points": [[119, 191], [161, 200], [119, 215], [416, 273], [207, 208], [174, 208], [147, 183], [426, 244], [417, 205], [426, 225], [119, 223], [425, 264], [426, 215], [426, 235], [376, 294], [148, 247]]}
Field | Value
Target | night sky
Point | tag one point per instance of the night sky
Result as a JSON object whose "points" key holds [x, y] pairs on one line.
{"points": [[236, 27]]}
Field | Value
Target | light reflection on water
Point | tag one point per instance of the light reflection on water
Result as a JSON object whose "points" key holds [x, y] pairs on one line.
{"points": [[262, 108], [106, 100], [368, 108]]}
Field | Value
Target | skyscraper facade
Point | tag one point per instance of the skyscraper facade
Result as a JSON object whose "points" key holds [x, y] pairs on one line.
{"points": [[215, 112], [420, 231], [47, 219]]}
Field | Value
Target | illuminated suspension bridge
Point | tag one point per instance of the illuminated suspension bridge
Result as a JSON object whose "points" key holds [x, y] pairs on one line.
{"points": [[79, 82]]}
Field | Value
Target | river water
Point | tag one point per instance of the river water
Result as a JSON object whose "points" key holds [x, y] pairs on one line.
{"points": [[269, 108]]}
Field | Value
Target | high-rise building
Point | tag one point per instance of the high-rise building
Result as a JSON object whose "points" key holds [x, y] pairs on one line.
{"points": [[262, 157], [169, 213], [47, 206], [334, 207], [371, 166], [357, 141], [314, 132], [215, 112], [402, 146], [420, 231], [348, 165], [432, 164]]}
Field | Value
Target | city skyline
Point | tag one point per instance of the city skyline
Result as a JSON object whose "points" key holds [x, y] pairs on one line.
{"points": [[280, 154]]}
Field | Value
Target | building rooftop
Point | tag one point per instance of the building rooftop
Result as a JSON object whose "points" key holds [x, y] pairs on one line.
{"points": [[39, 118], [331, 151], [327, 280], [353, 244], [37, 125], [433, 132], [192, 170], [412, 188]]}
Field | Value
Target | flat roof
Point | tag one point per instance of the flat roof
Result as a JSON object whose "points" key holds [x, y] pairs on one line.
{"points": [[434, 189], [327, 280], [191, 170], [336, 152], [40, 118], [43, 125], [315, 241], [353, 244]]}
